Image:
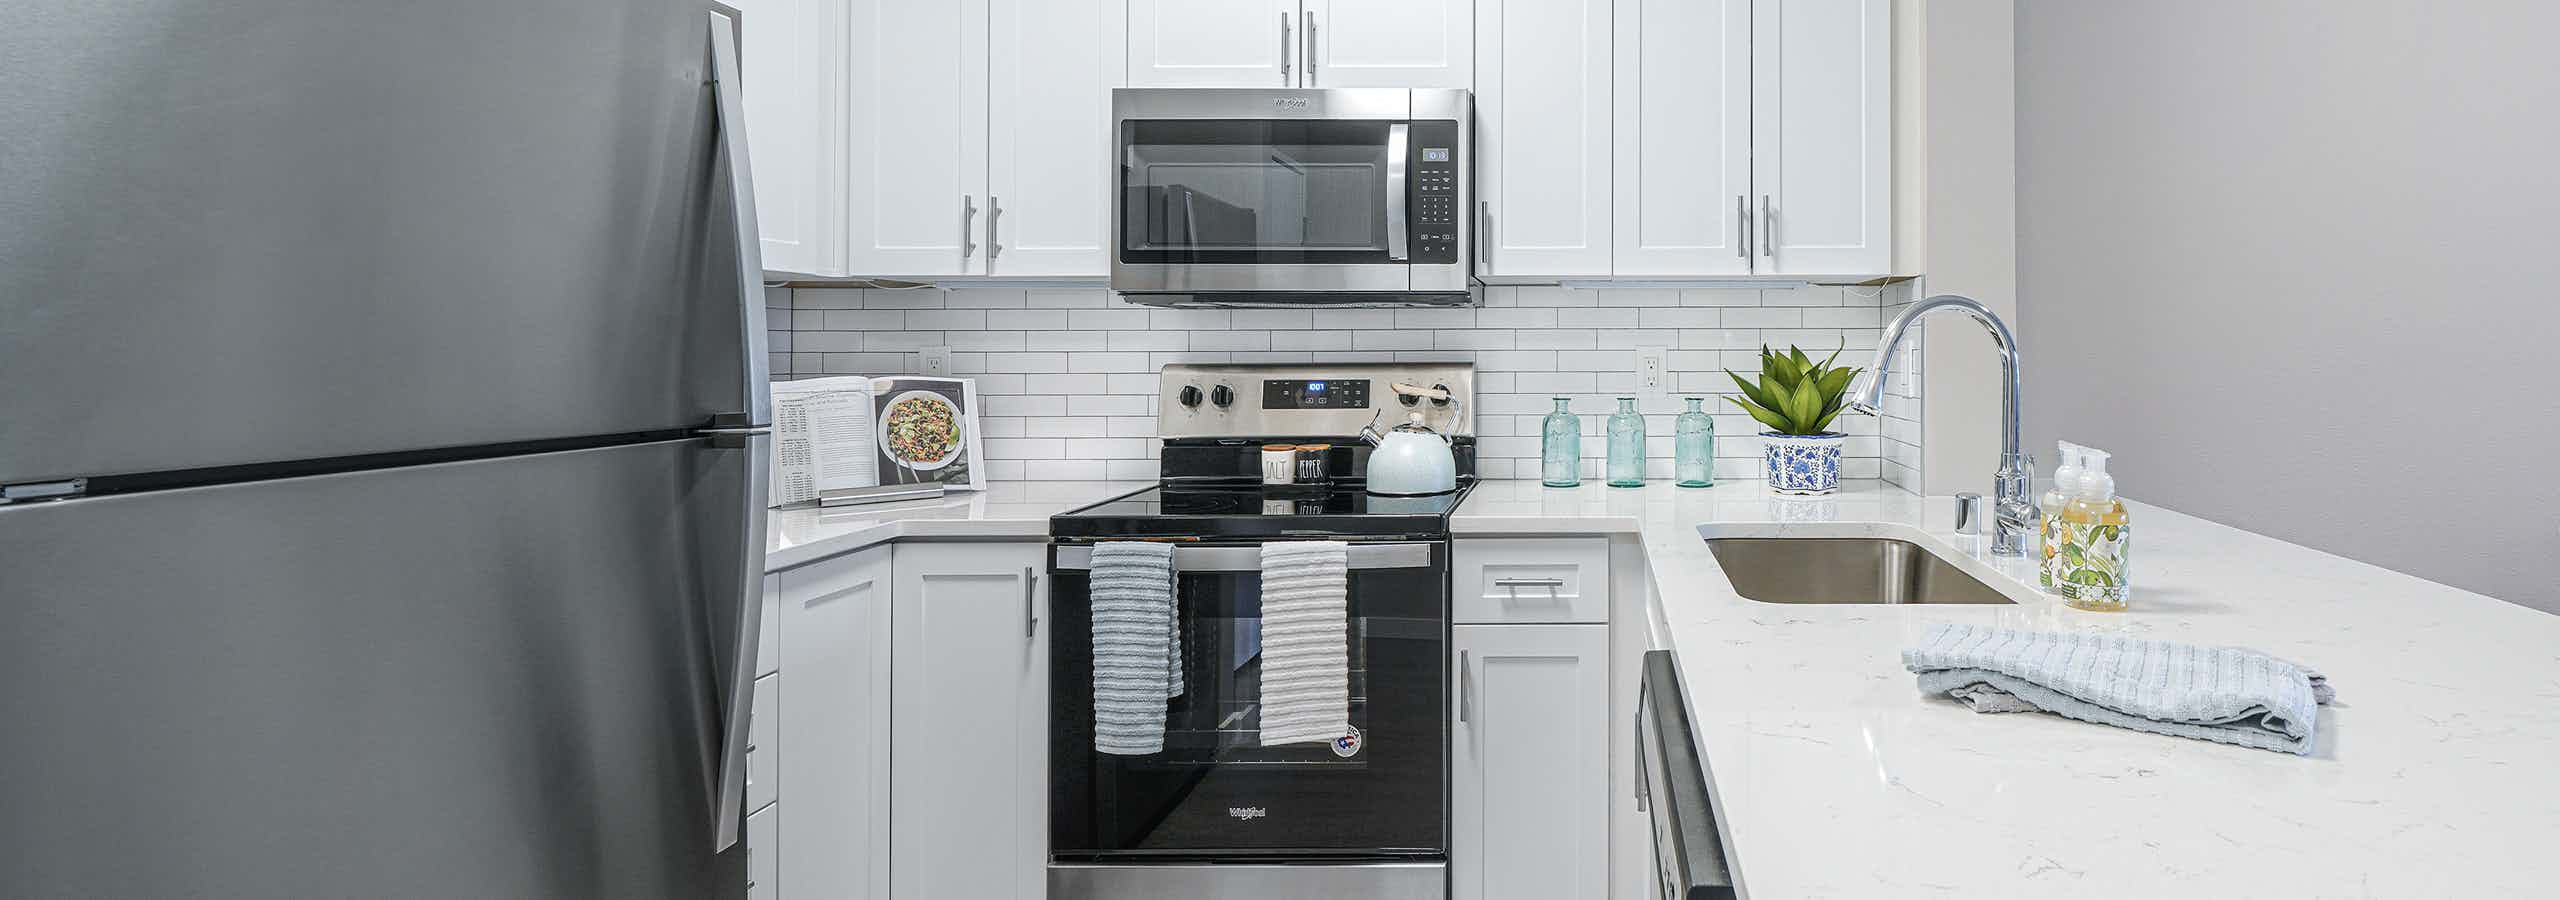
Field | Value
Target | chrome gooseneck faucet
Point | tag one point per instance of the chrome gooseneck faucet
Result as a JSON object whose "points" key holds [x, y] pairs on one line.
{"points": [[2012, 508]]}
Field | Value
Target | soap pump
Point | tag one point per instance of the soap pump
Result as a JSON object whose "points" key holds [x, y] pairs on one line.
{"points": [[2092, 570], [2066, 477]]}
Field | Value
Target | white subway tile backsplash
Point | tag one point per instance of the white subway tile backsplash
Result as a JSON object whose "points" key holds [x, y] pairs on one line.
{"points": [[1680, 317], [1148, 340], [1275, 319], [1391, 340], [1520, 317], [1107, 319], [1068, 385], [1111, 405], [1763, 317]]}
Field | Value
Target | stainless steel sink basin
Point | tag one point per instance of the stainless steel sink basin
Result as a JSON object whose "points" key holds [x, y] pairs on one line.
{"points": [[1844, 570]]}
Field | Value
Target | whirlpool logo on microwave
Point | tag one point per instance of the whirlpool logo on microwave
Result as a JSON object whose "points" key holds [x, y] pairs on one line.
{"points": [[1247, 813]]}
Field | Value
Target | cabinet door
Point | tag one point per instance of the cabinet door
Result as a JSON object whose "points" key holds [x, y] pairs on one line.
{"points": [[969, 723], [1049, 146], [764, 827], [1542, 137], [1531, 763], [833, 737], [1683, 137], [1822, 143], [792, 60], [1213, 43], [1388, 43], [917, 140]]}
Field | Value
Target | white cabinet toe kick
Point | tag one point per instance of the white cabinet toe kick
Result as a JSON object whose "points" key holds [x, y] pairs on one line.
{"points": [[1376, 881]]}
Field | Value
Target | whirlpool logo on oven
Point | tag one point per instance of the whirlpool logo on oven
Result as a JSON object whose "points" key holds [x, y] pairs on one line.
{"points": [[1247, 813]]}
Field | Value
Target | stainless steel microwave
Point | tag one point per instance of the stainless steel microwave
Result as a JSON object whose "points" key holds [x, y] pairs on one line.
{"points": [[1246, 196]]}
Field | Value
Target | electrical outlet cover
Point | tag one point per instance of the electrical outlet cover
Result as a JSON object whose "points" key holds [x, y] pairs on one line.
{"points": [[1653, 371], [935, 361]]}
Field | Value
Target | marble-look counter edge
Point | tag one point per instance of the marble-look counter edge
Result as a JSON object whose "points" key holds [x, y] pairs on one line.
{"points": [[1005, 511]]}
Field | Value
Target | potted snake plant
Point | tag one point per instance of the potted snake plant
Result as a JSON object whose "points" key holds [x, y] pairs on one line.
{"points": [[1797, 398]]}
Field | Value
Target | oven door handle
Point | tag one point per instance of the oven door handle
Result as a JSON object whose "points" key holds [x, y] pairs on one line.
{"points": [[1078, 557], [1399, 138]]}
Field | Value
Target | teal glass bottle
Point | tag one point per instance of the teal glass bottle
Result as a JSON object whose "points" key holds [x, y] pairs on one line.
{"points": [[1561, 445], [1626, 445], [1693, 446]]}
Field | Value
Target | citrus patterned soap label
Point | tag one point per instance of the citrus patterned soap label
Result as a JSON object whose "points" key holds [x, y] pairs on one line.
{"points": [[2087, 560]]}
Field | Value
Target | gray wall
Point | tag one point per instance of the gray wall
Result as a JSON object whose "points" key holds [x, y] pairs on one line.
{"points": [[2298, 265]]}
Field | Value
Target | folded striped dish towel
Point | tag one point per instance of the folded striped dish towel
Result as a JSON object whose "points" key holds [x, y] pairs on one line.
{"points": [[2224, 694], [1306, 658], [1137, 646]]}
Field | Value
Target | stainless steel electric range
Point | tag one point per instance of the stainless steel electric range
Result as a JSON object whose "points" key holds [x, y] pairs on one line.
{"points": [[1216, 814]]}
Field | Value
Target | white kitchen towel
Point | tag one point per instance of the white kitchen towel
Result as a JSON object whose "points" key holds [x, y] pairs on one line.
{"points": [[1137, 651], [1306, 649], [2224, 694]]}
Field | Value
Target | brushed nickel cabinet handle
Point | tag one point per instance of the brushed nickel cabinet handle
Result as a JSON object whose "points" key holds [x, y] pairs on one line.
{"points": [[995, 210], [968, 217], [1284, 49], [1307, 49], [1768, 228]]}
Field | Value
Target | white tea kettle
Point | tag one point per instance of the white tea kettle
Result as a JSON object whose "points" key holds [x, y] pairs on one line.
{"points": [[1410, 460]]}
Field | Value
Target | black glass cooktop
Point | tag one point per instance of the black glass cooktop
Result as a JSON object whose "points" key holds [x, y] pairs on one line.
{"points": [[1218, 511]]}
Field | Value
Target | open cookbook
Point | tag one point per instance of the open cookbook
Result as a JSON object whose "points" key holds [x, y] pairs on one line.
{"points": [[840, 433]]}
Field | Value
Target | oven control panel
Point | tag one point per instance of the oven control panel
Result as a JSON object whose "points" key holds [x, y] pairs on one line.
{"points": [[1433, 193], [1315, 393], [1251, 401]]}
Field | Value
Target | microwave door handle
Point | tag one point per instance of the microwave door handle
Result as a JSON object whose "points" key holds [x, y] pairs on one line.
{"points": [[1398, 166]]}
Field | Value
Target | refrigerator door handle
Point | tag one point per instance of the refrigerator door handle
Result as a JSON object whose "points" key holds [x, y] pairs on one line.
{"points": [[755, 402], [745, 593]]}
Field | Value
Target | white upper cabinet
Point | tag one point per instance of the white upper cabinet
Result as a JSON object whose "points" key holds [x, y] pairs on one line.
{"points": [[791, 58], [1213, 43], [918, 138], [1821, 109], [1301, 43], [1683, 136], [1542, 137], [1387, 43], [1051, 71]]}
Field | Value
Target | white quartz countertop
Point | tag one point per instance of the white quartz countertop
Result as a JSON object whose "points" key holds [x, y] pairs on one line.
{"points": [[1006, 510], [2435, 774]]}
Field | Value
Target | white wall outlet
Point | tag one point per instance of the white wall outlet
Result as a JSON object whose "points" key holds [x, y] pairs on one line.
{"points": [[934, 360], [1653, 371]]}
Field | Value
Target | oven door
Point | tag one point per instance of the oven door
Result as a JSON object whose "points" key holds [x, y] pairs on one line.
{"points": [[1215, 793]]}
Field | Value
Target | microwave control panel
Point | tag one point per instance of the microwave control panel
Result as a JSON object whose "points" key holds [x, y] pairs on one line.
{"points": [[1433, 193]]}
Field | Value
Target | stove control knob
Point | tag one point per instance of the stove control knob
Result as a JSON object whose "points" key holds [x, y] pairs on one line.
{"points": [[1190, 395], [1223, 396]]}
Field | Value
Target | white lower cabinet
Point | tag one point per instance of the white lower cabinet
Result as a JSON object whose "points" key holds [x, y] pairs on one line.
{"points": [[763, 863], [1530, 763], [832, 747], [968, 723]]}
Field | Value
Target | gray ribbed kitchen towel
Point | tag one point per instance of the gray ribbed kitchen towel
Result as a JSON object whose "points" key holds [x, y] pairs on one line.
{"points": [[1137, 649], [2224, 694], [1306, 658]]}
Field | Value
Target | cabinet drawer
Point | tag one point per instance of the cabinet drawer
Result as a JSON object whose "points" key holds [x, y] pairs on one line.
{"points": [[1530, 580], [764, 856], [764, 773]]}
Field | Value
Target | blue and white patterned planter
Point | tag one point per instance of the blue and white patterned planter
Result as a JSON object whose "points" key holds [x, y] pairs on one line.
{"points": [[1802, 464]]}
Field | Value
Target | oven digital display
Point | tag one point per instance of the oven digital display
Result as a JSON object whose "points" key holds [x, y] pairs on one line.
{"points": [[1317, 393]]}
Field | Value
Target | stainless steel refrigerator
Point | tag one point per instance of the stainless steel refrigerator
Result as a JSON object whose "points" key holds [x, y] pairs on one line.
{"points": [[381, 387]]}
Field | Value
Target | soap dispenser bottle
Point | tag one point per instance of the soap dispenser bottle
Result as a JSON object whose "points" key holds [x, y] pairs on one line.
{"points": [[2093, 571], [2066, 477]]}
